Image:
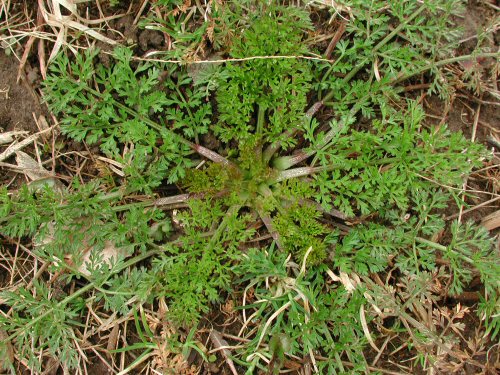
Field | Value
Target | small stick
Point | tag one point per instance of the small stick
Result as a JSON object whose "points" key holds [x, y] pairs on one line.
{"points": [[41, 46], [139, 13], [335, 40], [473, 138], [473, 208], [24, 58], [418, 86], [222, 344]]}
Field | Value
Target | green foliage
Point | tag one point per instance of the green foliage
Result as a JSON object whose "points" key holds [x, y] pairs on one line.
{"points": [[213, 179], [276, 86], [187, 108], [389, 162], [193, 270], [88, 217], [186, 37], [52, 324], [368, 249], [119, 113], [287, 201], [318, 316], [472, 246], [394, 39], [300, 227]]}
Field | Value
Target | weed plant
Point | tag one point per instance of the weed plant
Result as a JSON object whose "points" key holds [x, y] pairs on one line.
{"points": [[312, 191]]}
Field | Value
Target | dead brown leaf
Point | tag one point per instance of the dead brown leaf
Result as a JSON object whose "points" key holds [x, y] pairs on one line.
{"points": [[8, 137], [108, 253], [31, 168], [491, 221]]}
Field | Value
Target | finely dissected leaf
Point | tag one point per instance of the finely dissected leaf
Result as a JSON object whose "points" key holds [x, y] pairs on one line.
{"points": [[52, 331], [315, 168], [157, 154], [7, 351], [278, 87]]}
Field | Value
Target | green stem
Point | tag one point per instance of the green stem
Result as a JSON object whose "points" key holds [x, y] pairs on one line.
{"points": [[444, 62], [209, 154], [285, 162], [379, 45], [110, 196], [101, 198], [188, 110], [432, 244], [260, 130], [158, 202], [275, 146], [330, 69], [444, 249], [230, 212], [260, 121], [83, 290], [421, 70]]}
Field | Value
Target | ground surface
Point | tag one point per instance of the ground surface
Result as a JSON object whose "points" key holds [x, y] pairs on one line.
{"points": [[19, 102], [477, 118]]}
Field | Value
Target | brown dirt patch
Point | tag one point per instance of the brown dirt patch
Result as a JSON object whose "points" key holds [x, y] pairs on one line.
{"points": [[18, 101]]}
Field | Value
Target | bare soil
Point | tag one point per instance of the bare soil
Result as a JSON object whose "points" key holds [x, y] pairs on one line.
{"points": [[18, 101]]}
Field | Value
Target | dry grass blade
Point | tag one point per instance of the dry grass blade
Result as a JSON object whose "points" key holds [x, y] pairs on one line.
{"points": [[273, 317], [348, 283], [113, 338], [41, 47], [113, 165], [16, 146], [54, 17], [486, 203], [366, 330], [4, 7]]}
